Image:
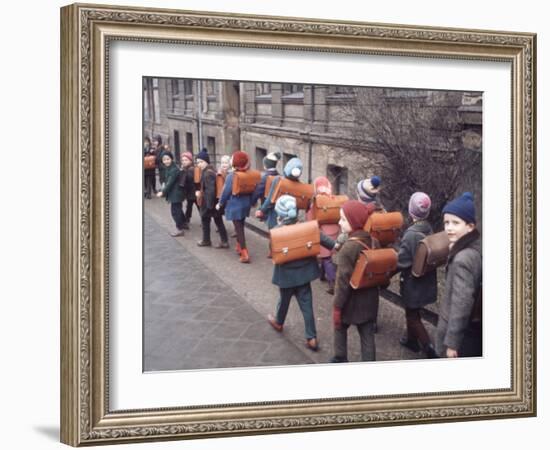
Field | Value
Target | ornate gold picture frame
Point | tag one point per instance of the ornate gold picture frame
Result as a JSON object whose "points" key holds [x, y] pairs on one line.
{"points": [[87, 33]]}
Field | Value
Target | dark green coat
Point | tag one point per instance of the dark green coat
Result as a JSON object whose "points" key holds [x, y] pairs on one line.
{"points": [[358, 305], [172, 190], [298, 273], [416, 292]]}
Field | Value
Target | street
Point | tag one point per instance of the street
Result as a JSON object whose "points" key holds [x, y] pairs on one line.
{"points": [[203, 309]]}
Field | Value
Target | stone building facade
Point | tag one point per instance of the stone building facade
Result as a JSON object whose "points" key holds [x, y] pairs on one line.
{"points": [[311, 122]]}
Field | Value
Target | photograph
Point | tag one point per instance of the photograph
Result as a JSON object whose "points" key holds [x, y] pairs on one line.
{"points": [[293, 224], [332, 224]]}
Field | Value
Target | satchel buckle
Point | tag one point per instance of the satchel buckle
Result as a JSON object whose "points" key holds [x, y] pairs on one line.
{"points": [[285, 251], [309, 245]]}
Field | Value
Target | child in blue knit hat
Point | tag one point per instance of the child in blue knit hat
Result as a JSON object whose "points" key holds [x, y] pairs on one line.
{"points": [[294, 278], [459, 330]]}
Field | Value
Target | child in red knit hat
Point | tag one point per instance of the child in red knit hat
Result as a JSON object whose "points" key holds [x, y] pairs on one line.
{"points": [[357, 307]]}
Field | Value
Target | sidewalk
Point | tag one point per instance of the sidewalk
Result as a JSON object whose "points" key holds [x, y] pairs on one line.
{"points": [[205, 309]]}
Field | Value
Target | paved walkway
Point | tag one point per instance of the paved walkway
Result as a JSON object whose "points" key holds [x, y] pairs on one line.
{"points": [[203, 309]]}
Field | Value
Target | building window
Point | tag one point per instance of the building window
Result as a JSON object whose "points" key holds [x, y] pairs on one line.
{"points": [[287, 157], [211, 88], [260, 154], [189, 142], [263, 89], [343, 90], [289, 89], [211, 147], [188, 87], [338, 177], [146, 101], [156, 100], [175, 88]]}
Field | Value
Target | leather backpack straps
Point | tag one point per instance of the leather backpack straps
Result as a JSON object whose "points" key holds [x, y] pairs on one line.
{"points": [[355, 239]]}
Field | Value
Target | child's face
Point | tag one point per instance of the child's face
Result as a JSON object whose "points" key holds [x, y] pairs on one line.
{"points": [[201, 164], [166, 160], [186, 162], [455, 227], [344, 224]]}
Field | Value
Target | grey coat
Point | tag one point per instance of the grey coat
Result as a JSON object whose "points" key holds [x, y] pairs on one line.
{"points": [[462, 287], [358, 305], [416, 292]]}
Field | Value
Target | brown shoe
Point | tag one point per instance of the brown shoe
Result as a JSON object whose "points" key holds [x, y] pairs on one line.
{"points": [[276, 325], [312, 344]]}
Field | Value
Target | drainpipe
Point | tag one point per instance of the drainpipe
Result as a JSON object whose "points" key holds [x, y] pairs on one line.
{"points": [[310, 144], [199, 113]]}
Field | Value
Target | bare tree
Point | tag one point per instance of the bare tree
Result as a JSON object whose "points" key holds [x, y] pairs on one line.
{"points": [[419, 135]]}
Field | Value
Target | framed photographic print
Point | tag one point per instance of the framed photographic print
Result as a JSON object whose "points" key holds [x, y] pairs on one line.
{"points": [[178, 311]]}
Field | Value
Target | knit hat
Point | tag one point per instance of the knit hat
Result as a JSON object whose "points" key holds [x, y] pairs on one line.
{"points": [[419, 205], [286, 207], [169, 154], [462, 207], [239, 160], [357, 213], [321, 185], [368, 188], [203, 155], [187, 155], [270, 161], [293, 168]]}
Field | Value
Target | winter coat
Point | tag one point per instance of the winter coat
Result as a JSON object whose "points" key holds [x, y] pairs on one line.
{"points": [[267, 207], [300, 272], [462, 286], [162, 168], [187, 183], [172, 191], [416, 292], [237, 207], [358, 305], [208, 189]]}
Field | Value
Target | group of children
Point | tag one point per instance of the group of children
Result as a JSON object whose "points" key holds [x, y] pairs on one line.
{"points": [[459, 326]]}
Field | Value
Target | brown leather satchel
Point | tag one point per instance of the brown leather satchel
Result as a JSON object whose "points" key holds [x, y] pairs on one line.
{"points": [[197, 172], [432, 252], [326, 208], [385, 227], [302, 192], [220, 182], [245, 182], [373, 267], [149, 162], [294, 242]]}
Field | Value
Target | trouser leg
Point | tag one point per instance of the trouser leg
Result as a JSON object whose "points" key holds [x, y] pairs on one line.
{"points": [[218, 220], [239, 229], [189, 210], [368, 344], [177, 214], [305, 301], [341, 343], [285, 295], [415, 327], [205, 220], [329, 268]]}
